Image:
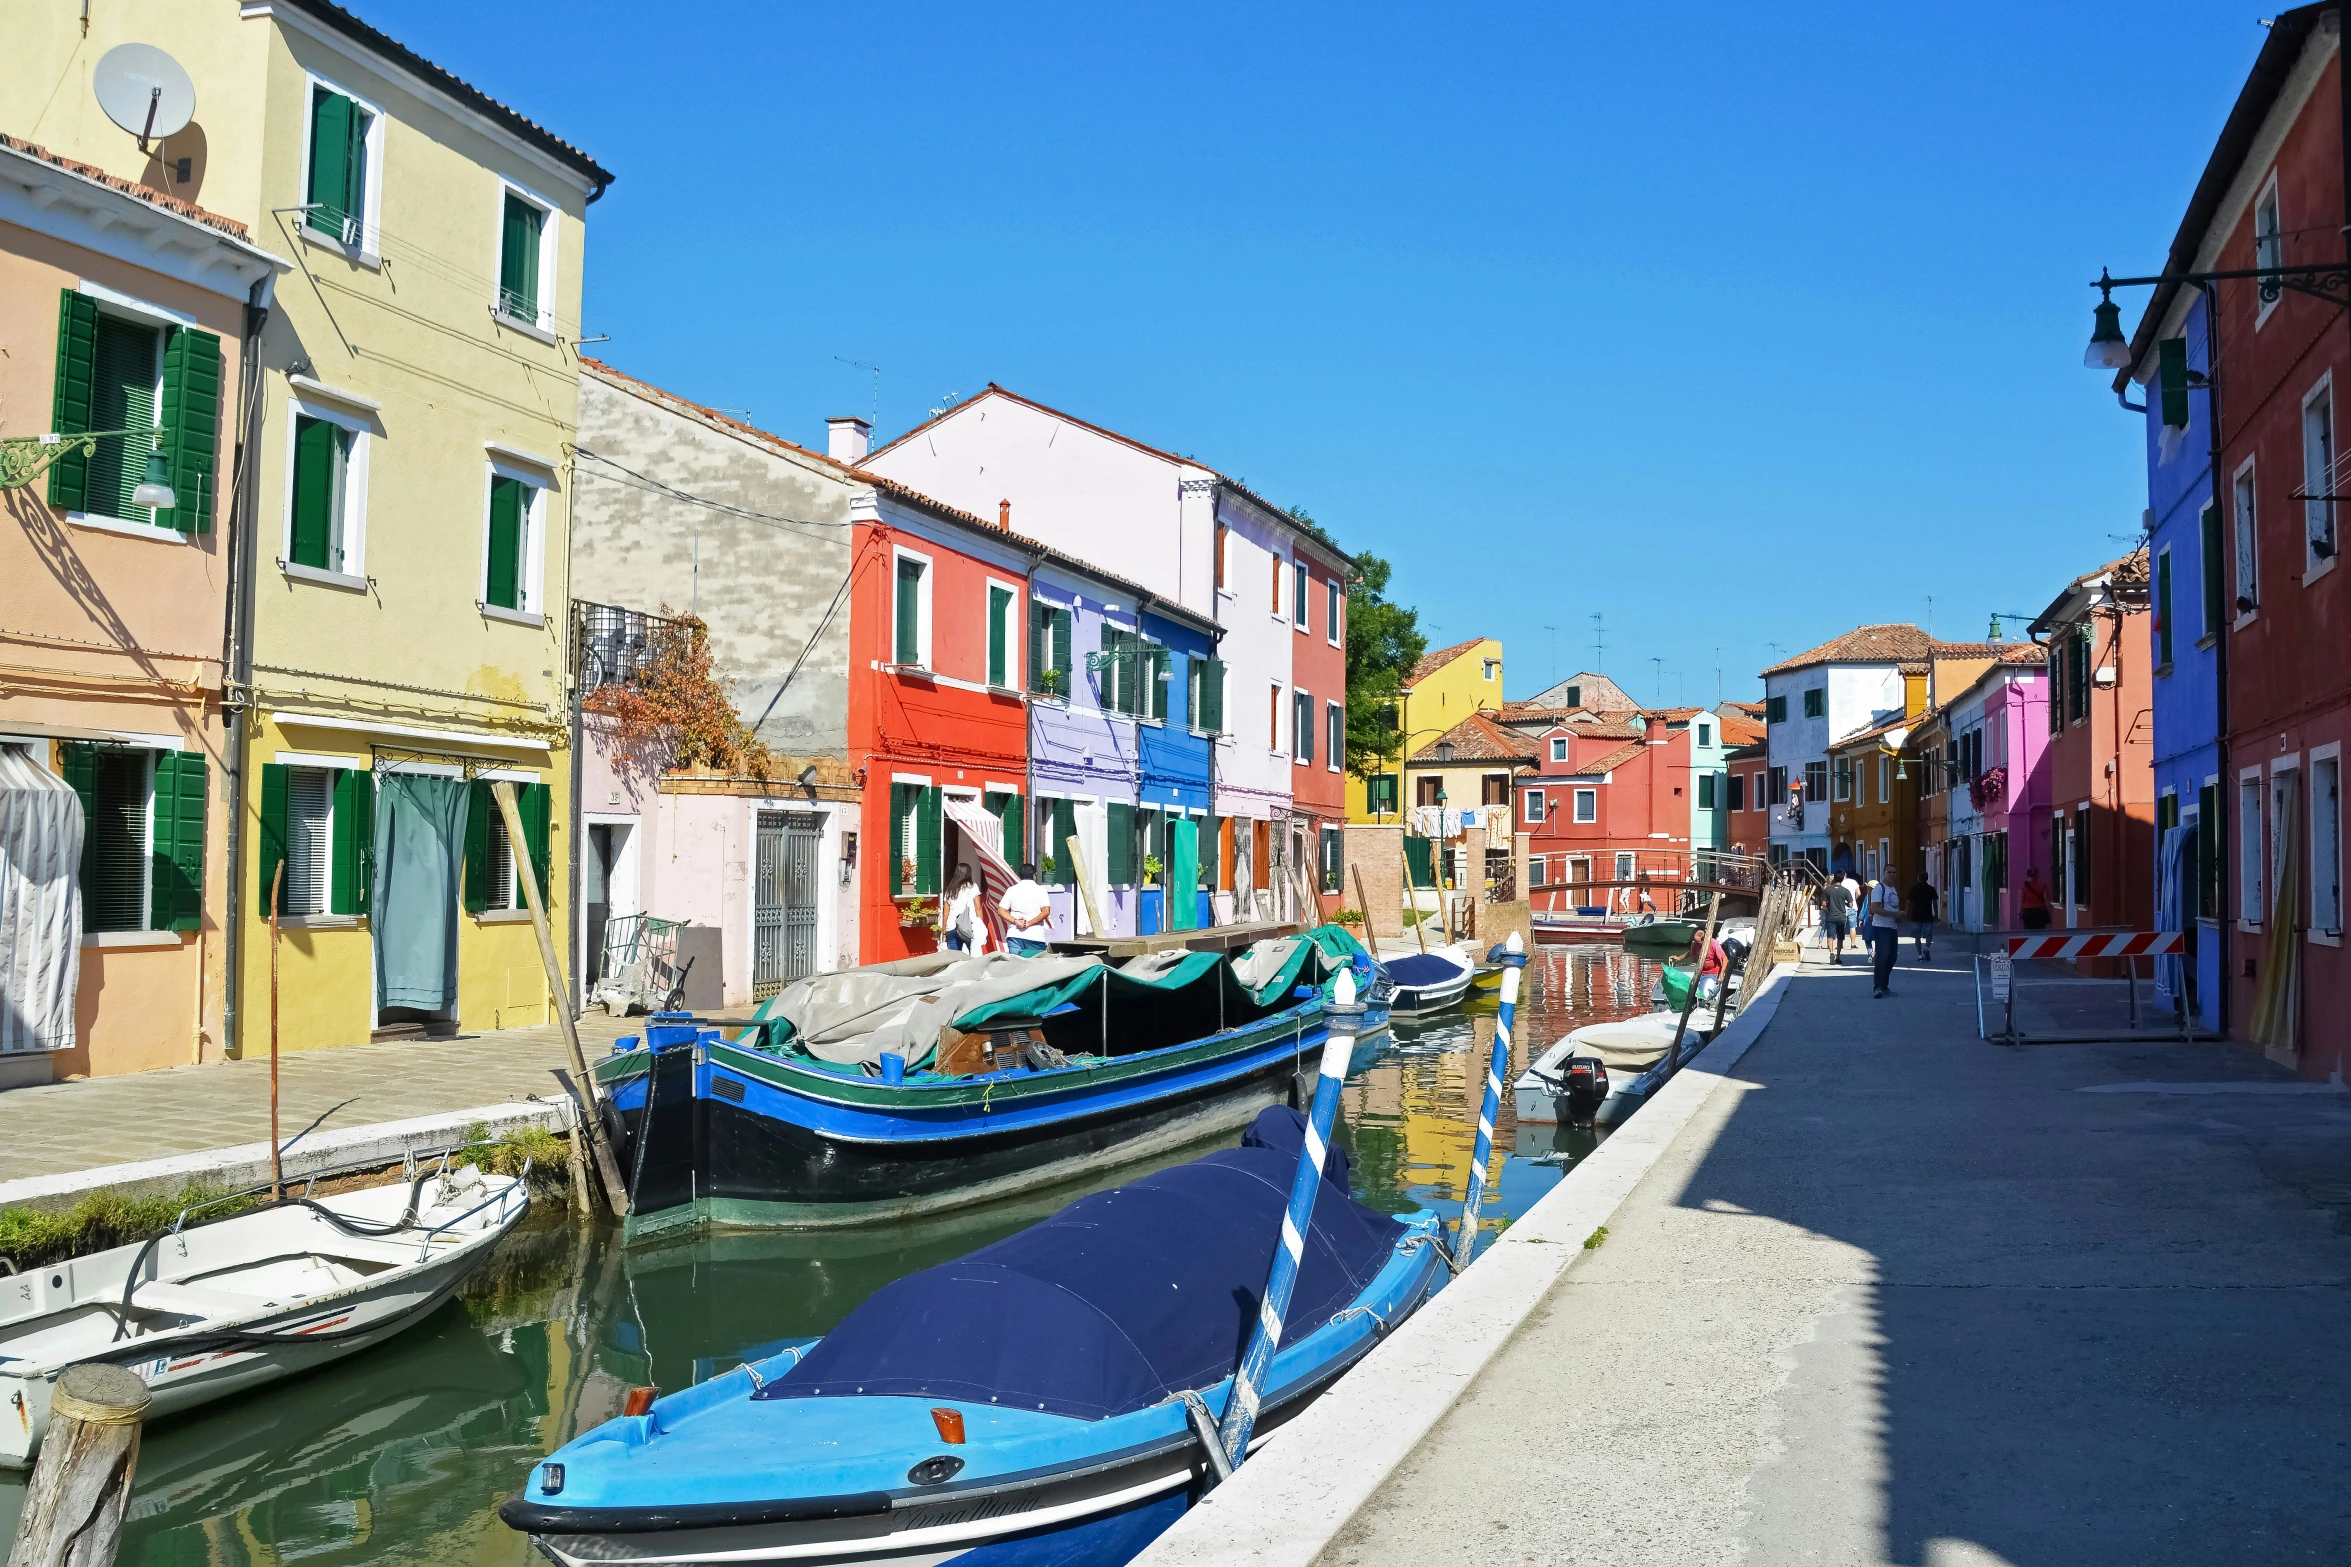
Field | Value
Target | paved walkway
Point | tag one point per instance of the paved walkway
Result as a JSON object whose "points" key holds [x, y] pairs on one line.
{"points": [[1896, 1295], [60, 1128]]}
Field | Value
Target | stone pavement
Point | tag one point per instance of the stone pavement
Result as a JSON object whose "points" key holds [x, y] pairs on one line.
{"points": [[1896, 1295], [60, 1128]]}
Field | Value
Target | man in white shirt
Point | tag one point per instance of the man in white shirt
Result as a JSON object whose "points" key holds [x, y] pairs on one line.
{"points": [[1026, 907], [1885, 933]]}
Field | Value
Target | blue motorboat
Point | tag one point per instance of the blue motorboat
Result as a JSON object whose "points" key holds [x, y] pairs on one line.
{"points": [[1049, 1399], [886, 1092]]}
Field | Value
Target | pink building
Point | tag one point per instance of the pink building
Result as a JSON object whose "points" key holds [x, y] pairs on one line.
{"points": [[1998, 776]]}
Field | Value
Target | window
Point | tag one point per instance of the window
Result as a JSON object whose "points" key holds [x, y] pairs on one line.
{"points": [[1706, 734], [2251, 906], [2209, 538], [1206, 690], [1706, 791], [492, 881], [1530, 807], [119, 370], [2163, 611], [1130, 683], [309, 832], [1575, 696], [1298, 600], [1049, 655], [1775, 709], [1057, 823], [1844, 774], [2208, 851], [345, 146], [1277, 586], [1816, 702], [2056, 685], [1330, 612], [1774, 789], [1302, 725], [511, 553], [1220, 545], [1885, 778], [1493, 669], [1000, 599], [1624, 867], [2318, 475], [2248, 557], [1334, 735], [319, 824], [1156, 664], [1273, 718], [2269, 247], [916, 834], [526, 290], [1816, 781], [2080, 878], [323, 501], [2326, 845], [1380, 793], [1494, 789], [1587, 805], [1334, 859], [1738, 792], [1559, 748], [2060, 838], [1426, 788], [1535, 871], [910, 613]]}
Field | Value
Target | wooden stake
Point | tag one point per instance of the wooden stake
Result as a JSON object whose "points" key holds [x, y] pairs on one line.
{"points": [[584, 1086], [1673, 1057], [82, 1481], [1077, 866], [1419, 931], [277, 1170], [1370, 935]]}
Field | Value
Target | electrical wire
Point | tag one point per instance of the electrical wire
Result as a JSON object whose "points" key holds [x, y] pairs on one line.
{"points": [[651, 485]]}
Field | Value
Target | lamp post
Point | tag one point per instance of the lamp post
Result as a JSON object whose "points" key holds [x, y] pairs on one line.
{"points": [[24, 458]]}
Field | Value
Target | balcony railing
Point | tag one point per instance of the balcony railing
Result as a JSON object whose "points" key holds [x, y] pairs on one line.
{"points": [[613, 645]]}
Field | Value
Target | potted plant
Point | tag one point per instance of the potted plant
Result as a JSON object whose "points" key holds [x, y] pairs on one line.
{"points": [[1049, 681], [918, 914], [1151, 870], [1350, 918]]}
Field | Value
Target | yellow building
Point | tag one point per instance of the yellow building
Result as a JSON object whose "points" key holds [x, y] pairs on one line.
{"points": [[397, 496], [1447, 685]]}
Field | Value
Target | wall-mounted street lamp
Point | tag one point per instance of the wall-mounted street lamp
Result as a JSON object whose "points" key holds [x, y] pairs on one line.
{"points": [[24, 458], [2110, 350]]}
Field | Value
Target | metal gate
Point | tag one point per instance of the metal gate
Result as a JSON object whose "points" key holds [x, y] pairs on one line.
{"points": [[783, 910]]}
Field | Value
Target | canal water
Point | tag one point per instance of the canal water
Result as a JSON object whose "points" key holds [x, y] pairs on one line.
{"points": [[403, 1454]]}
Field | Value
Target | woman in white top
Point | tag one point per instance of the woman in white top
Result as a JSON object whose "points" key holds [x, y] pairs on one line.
{"points": [[964, 931]]}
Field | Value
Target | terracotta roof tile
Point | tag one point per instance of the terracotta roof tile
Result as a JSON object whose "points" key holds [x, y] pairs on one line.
{"points": [[1430, 663], [154, 198], [1614, 759], [1478, 738], [1886, 644], [1741, 731]]}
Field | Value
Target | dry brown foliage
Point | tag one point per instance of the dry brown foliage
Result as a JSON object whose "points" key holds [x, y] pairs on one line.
{"points": [[677, 712]]}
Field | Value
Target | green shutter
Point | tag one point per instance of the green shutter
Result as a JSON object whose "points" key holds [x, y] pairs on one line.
{"points": [[69, 404], [1211, 720], [124, 367], [909, 612], [1121, 871], [1065, 827], [2163, 608], [176, 861], [1158, 672], [503, 586], [2212, 570], [1057, 623], [334, 124], [518, 261], [1418, 862], [927, 831], [899, 795], [1040, 645], [999, 602], [535, 803], [2208, 850], [315, 443], [479, 877], [352, 878], [2171, 377], [273, 832], [1008, 811], [1302, 726], [79, 762], [191, 426]]}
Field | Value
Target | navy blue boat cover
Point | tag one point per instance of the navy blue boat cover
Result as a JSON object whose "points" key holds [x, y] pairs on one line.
{"points": [[1117, 1301], [1423, 968]]}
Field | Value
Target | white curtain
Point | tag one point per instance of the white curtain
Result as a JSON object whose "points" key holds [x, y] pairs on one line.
{"points": [[40, 905]]}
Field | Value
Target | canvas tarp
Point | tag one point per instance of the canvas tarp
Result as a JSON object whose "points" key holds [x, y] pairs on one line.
{"points": [[420, 854], [40, 905], [864, 1014]]}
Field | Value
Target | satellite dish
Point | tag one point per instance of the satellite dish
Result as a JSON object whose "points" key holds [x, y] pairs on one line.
{"points": [[144, 91]]}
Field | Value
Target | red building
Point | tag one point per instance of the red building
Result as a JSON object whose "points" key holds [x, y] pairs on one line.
{"points": [[1318, 681], [1605, 803], [1747, 817], [937, 633]]}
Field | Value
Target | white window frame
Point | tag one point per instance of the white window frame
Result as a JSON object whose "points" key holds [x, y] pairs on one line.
{"points": [[1301, 597], [1624, 865], [531, 550], [922, 612], [139, 312], [2329, 759], [2277, 235], [1885, 778], [1279, 694], [2314, 565], [543, 327], [1586, 805], [1334, 723], [1559, 748], [1281, 587], [1015, 632], [353, 576], [2252, 861], [2245, 543], [1530, 810], [1333, 608], [1300, 696], [369, 250]]}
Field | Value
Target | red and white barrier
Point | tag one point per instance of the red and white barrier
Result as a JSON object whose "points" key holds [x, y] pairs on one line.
{"points": [[2108, 944]]}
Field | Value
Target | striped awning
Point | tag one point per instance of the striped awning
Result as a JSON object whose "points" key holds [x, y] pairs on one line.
{"points": [[40, 905]]}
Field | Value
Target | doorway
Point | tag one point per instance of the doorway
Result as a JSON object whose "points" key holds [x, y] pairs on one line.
{"points": [[783, 900]]}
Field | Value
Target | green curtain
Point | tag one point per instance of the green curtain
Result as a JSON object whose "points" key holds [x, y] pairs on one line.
{"points": [[1183, 874]]}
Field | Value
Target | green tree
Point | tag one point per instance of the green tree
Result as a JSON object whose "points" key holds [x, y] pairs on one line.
{"points": [[1384, 642]]}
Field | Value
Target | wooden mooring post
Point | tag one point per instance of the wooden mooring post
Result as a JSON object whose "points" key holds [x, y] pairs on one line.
{"points": [[81, 1482]]}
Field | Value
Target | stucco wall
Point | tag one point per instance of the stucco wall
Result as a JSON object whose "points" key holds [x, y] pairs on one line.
{"points": [[1253, 767]]}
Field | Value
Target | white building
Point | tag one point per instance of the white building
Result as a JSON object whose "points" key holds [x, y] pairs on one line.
{"points": [[1844, 685]]}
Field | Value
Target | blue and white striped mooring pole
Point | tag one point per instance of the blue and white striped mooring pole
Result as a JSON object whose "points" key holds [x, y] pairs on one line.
{"points": [[1342, 1018], [1465, 1240]]}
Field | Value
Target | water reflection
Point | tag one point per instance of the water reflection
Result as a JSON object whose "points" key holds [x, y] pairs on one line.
{"points": [[403, 1454]]}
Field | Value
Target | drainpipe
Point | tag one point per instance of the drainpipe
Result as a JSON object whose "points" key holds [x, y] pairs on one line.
{"points": [[1028, 710], [237, 654], [2224, 792]]}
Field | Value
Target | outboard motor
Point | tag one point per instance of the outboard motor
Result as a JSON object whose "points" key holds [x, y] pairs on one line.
{"points": [[1734, 954], [1584, 1086]]}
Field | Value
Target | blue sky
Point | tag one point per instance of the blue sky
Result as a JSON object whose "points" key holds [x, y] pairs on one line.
{"points": [[1738, 325]]}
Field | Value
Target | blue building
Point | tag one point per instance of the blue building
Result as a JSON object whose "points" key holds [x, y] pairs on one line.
{"points": [[2185, 571], [1173, 759]]}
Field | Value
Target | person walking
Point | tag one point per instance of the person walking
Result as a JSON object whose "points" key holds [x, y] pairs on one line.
{"points": [[1026, 906], [1925, 906], [964, 932], [1836, 914], [2032, 902], [1885, 933]]}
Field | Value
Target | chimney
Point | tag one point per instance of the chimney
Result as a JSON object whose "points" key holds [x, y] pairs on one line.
{"points": [[1004, 515], [847, 439]]}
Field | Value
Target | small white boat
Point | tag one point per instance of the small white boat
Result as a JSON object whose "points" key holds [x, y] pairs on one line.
{"points": [[1626, 1064], [1432, 980], [216, 1308]]}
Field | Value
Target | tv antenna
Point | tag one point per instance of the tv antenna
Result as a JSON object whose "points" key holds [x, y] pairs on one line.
{"points": [[1554, 630], [1599, 647], [1658, 678], [859, 364], [144, 91]]}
